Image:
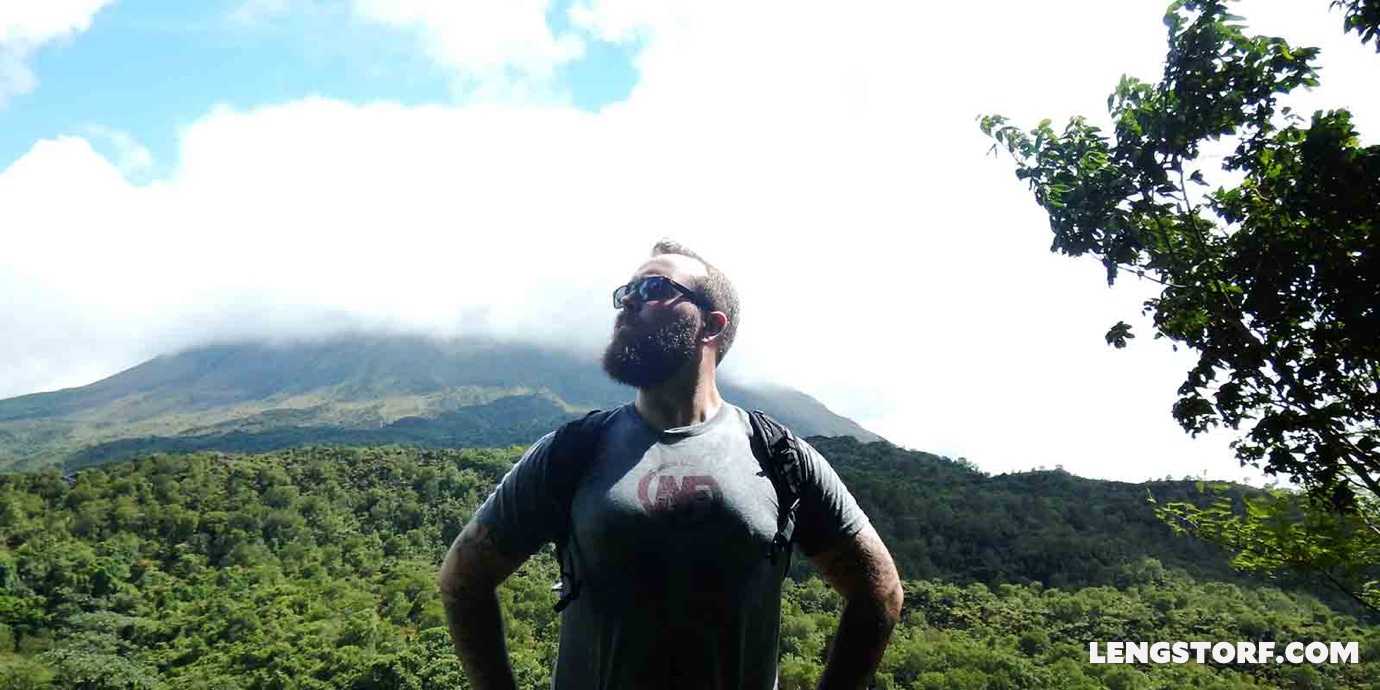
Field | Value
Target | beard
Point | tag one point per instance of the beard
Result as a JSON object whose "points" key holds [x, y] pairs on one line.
{"points": [[644, 360]]}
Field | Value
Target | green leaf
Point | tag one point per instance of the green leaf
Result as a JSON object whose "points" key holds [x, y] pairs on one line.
{"points": [[1118, 335]]}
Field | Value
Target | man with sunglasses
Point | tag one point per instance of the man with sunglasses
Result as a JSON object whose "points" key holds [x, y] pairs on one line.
{"points": [[668, 522]]}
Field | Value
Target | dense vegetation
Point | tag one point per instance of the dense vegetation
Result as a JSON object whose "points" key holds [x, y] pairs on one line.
{"points": [[315, 568], [944, 519]]}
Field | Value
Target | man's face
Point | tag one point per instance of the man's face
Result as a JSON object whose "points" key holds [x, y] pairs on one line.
{"points": [[653, 340]]}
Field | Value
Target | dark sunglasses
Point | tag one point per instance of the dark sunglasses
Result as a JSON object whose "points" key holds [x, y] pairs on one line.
{"points": [[649, 288]]}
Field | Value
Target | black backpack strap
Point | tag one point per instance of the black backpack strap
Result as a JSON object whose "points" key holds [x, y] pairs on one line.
{"points": [[781, 457], [573, 447]]}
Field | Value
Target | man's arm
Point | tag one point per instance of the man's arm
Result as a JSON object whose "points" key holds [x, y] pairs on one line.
{"points": [[471, 573], [860, 568]]}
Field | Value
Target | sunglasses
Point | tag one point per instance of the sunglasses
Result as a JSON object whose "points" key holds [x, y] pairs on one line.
{"points": [[651, 288]]}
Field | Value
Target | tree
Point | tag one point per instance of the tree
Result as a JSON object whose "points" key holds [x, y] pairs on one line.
{"points": [[1363, 17], [1274, 282]]}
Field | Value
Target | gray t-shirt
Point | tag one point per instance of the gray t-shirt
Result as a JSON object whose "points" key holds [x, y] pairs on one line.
{"points": [[669, 543]]}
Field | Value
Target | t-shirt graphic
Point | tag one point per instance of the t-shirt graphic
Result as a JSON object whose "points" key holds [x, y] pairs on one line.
{"points": [[683, 498]]}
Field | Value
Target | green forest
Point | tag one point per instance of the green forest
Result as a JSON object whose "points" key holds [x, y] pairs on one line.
{"points": [[316, 568]]}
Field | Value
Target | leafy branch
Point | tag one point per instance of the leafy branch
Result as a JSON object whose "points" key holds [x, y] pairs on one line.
{"points": [[1274, 282]]}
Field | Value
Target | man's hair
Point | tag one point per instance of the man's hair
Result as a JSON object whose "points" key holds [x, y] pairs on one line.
{"points": [[716, 288]]}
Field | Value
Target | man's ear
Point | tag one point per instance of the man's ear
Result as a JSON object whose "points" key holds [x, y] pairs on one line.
{"points": [[714, 324]]}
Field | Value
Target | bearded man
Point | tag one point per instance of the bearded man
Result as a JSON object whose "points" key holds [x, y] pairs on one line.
{"points": [[665, 528]]}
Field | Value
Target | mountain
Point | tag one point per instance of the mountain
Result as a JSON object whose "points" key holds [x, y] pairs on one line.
{"points": [[348, 390]]}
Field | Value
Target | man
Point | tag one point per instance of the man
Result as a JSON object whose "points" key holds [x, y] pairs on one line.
{"points": [[669, 522]]}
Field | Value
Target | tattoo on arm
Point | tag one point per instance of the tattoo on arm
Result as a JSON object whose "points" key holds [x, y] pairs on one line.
{"points": [[862, 571], [473, 569]]}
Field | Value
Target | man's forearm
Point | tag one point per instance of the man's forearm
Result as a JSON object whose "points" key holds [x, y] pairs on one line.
{"points": [[864, 630], [476, 628]]}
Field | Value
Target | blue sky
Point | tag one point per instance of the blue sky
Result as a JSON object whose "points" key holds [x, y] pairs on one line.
{"points": [[178, 172], [149, 69]]}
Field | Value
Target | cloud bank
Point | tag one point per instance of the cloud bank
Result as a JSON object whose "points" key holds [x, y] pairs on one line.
{"points": [[825, 156]]}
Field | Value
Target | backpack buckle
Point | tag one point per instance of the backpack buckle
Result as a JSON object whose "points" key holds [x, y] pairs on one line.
{"points": [[568, 595], [778, 544]]}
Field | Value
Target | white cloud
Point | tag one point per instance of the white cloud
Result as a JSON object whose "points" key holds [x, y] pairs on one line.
{"points": [[825, 156], [618, 21], [499, 50], [27, 26]]}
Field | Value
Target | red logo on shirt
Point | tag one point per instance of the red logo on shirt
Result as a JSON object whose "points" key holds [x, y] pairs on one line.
{"points": [[691, 493]]}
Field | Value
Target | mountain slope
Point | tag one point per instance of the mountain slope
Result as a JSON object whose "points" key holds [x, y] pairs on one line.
{"points": [[359, 389]]}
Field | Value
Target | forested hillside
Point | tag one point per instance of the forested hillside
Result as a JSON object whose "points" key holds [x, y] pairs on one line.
{"points": [[945, 519], [315, 568]]}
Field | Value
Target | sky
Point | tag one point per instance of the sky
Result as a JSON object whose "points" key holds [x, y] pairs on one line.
{"points": [[173, 174]]}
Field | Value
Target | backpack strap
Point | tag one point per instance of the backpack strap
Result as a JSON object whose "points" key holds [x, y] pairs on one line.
{"points": [[780, 454], [573, 447]]}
